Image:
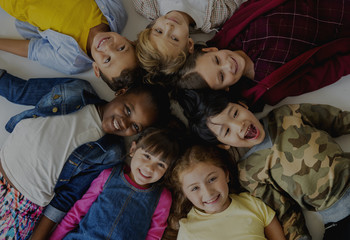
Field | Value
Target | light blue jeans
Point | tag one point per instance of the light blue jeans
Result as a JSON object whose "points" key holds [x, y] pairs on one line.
{"points": [[338, 211]]}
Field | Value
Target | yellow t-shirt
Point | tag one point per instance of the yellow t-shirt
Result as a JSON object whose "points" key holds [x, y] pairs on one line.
{"points": [[70, 17], [245, 218]]}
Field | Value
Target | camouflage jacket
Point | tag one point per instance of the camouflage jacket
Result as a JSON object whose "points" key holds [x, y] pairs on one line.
{"points": [[305, 168]]}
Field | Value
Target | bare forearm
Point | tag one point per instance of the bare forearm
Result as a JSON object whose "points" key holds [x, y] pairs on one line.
{"points": [[43, 229], [15, 46], [274, 230]]}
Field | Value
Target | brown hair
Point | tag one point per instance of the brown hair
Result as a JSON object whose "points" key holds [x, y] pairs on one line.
{"points": [[167, 143], [194, 155], [153, 61], [187, 77]]}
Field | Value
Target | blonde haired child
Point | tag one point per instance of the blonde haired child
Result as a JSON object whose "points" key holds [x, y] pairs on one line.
{"points": [[164, 45], [203, 177]]}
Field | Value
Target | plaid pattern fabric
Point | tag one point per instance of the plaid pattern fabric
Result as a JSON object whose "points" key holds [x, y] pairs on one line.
{"points": [[290, 29], [218, 11], [18, 214]]}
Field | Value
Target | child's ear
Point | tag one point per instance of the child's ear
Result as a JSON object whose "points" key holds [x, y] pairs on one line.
{"points": [[96, 69], [227, 176], [132, 149], [120, 92], [224, 146], [190, 45], [210, 49]]}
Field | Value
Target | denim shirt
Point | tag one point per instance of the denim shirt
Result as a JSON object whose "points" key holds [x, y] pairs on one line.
{"points": [[121, 211], [62, 52], [51, 96], [58, 96]]}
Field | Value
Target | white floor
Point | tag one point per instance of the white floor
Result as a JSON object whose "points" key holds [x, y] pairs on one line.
{"points": [[337, 94]]}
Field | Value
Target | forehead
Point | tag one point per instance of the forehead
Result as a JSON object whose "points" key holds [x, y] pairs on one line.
{"points": [[198, 172]]}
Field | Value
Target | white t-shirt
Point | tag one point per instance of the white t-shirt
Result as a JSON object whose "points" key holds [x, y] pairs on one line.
{"points": [[245, 218], [194, 8], [34, 154]]}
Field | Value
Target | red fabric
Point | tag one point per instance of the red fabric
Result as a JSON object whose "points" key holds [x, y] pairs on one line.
{"points": [[240, 19], [309, 71]]}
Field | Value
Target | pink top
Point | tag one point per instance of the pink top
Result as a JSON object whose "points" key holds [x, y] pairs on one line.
{"points": [[82, 206]]}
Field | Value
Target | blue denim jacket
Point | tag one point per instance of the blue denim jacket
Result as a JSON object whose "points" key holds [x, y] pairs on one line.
{"points": [[120, 212], [58, 96], [62, 52]]}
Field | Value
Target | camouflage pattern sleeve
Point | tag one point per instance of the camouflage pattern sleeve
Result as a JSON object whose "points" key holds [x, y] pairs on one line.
{"points": [[288, 212], [327, 118]]}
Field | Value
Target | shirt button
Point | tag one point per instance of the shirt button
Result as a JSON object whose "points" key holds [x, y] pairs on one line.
{"points": [[56, 96], [55, 109]]}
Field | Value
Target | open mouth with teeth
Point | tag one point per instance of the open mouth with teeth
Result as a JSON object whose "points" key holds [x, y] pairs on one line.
{"points": [[251, 133], [116, 124], [214, 200], [102, 41]]}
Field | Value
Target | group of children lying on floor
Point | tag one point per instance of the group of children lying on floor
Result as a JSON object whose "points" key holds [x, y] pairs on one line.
{"points": [[65, 173]]}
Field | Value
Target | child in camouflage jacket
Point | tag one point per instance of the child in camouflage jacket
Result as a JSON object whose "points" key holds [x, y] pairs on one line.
{"points": [[289, 158]]}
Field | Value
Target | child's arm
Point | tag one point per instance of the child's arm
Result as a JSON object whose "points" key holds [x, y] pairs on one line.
{"points": [[81, 207], [74, 215], [15, 46], [274, 230], [325, 117], [31, 91], [160, 216]]}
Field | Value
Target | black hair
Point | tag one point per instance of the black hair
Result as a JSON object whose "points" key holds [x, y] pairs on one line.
{"points": [[201, 104], [158, 97]]}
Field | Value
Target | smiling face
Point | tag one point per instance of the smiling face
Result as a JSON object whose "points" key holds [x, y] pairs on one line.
{"points": [[146, 168], [206, 186], [112, 53], [221, 69], [170, 34], [128, 114], [236, 126]]}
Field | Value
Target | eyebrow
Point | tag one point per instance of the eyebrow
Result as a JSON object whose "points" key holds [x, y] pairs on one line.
{"points": [[206, 177], [213, 59]]}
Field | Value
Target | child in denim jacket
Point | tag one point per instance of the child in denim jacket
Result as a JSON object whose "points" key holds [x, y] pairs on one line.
{"points": [[69, 122], [107, 209]]}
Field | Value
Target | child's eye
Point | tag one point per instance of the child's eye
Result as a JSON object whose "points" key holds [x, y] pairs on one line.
{"points": [[194, 189], [121, 48], [212, 179], [162, 165], [127, 110], [174, 38], [227, 132], [158, 30], [217, 60], [137, 128], [107, 60], [235, 114], [147, 156], [222, 77]]}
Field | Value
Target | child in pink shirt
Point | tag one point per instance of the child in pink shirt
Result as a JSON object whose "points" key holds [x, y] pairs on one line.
{"points": [[127, 202]]}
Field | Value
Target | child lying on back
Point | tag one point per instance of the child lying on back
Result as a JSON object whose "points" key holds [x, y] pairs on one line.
{"points": [[164, 45]]}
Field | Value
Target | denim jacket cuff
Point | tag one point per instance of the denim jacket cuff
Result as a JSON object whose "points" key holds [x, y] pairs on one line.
{"points": [[54, 214]]}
